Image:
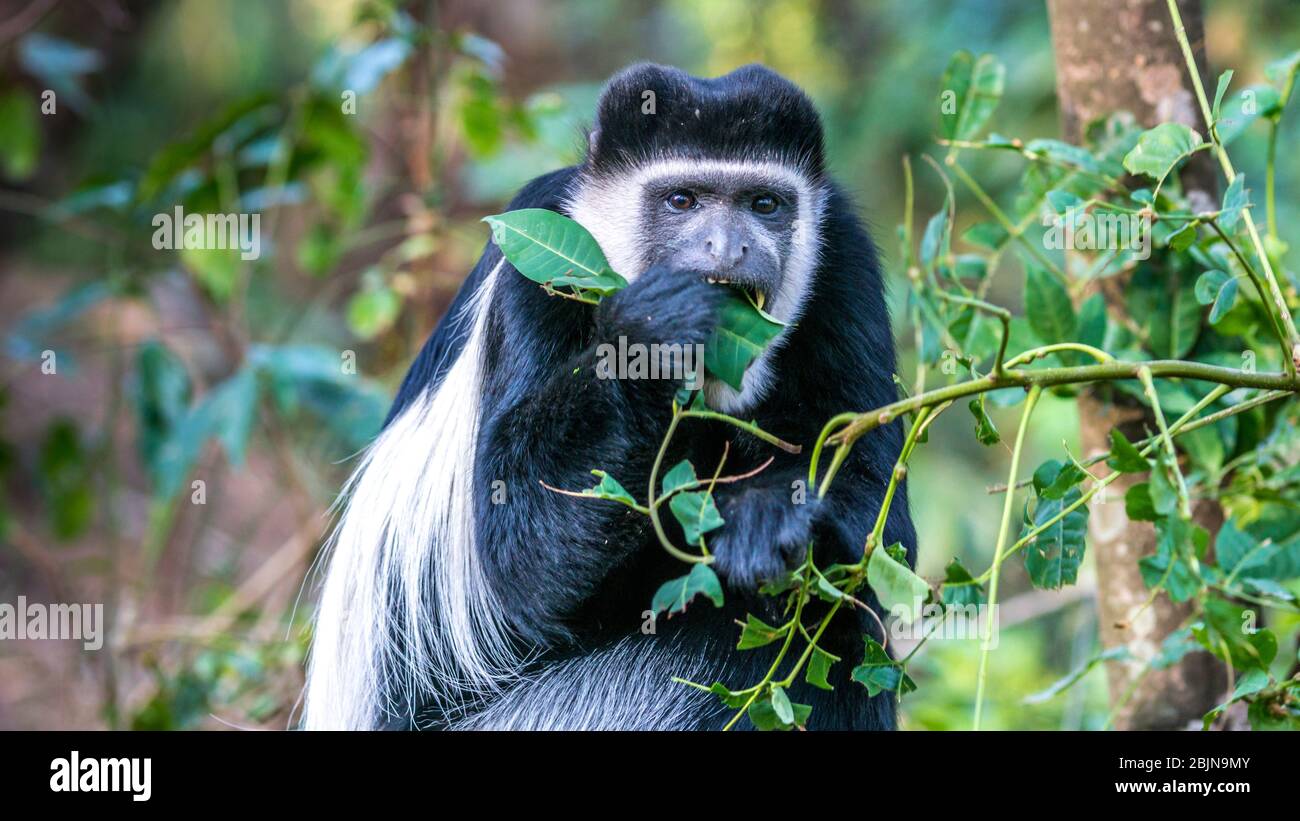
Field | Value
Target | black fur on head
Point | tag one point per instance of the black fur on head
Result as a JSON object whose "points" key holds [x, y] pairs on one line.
{"points": [[751, 114]]}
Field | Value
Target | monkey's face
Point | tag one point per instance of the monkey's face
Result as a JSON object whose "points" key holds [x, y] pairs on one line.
{"points": [[730, 226], [721, 178]]}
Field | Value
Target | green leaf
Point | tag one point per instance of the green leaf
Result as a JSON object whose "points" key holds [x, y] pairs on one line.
{"points": [[60, 65], [179, 155], [1163, 303], [696, 513], [216, 269], [988, 235], [312, 377], [1175, 646], [552, 249], [1224, 302], [1226, 625], [1184, 237], [1093, 321], [972, 88], [1252, 682], [743, 332], [1235, 199], [1053, 558], [360, 70], [1232, 546], [1138, 505], [1054, 478], [781, 705], [777, 712], [319, 250], [1164, 491], [934, 242], [879, 673], [20, 138], [673, 596], [226, 412], [1048, 307], [682, 475], [1209, 284], [609, 488], [758, 633], [985, 431], [900, 591], [66, 478], [819, 667], [970, 266], [1224, 80], [162, 399], [1124, 455], [959, 588], [1159, 149], [1063, 201], [1170, 567], [1245, 107], [374, 309], [731, 699]]}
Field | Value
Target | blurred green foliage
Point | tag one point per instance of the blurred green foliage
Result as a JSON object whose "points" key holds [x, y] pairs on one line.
{"points": [[370, 219]]}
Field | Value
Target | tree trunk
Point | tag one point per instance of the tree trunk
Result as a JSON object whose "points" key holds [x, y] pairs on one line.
{"points": [[1122, 55]]}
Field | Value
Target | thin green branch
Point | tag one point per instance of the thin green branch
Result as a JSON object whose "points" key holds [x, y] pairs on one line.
{"points": [[1149, 387], [1002, 314], [1050, 377], [1279, 301], [1004, 528]]}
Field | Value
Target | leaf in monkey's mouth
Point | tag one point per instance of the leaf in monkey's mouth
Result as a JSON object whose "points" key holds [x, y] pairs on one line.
{"points": [[744, 330], [557, 252]]}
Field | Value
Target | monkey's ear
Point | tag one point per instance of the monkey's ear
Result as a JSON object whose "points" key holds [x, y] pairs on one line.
{"points": [[593, 138]]}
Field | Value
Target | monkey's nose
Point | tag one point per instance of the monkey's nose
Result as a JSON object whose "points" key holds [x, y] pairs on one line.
{"points": [[725, 249]]}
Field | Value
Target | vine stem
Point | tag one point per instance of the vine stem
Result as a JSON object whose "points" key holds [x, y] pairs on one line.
{"points": [[986, 644], [1149, 387], [785, 648], [1279, 301], [1255, 280], [1001, 314], [653, 507], [922, 421], [1177, 428], [1049, 377], [1174, 429]]}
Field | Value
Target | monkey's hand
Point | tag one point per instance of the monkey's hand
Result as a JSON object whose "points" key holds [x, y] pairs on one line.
{"points": [[665, 305], [766, 533]]}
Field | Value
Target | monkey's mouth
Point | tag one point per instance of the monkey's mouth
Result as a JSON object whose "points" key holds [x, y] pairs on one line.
{"points": [[752, 292]]}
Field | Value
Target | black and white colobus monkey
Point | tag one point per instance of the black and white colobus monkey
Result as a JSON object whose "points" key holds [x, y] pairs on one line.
{"points": [[444, 609]]}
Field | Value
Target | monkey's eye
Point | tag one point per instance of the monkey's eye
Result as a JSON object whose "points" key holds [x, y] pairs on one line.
{"points": [[681, 200], [764, 204]]}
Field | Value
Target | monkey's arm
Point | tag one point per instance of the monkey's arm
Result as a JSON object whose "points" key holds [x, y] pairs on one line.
{"points": [[771, 519], [545, 552]]}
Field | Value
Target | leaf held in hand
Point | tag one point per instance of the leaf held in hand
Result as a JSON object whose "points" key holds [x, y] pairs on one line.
{"points": [[553, 250]]}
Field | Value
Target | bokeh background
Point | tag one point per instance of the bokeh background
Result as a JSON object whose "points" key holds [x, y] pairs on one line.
{"points": [[179, 463]]}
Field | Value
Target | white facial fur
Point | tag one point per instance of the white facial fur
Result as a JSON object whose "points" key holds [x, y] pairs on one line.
{"points": [[610, 209]]}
